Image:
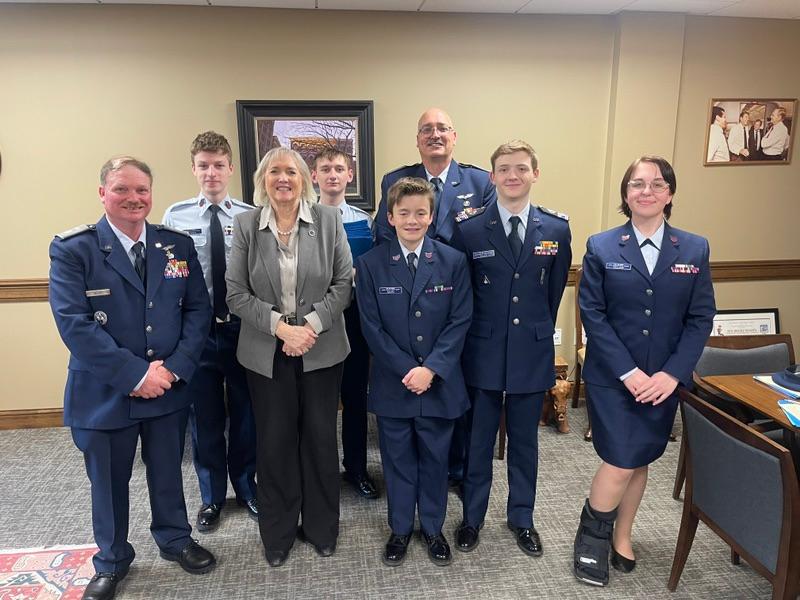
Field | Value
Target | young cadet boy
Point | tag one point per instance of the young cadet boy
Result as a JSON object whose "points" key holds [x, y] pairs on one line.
{"points": [[519, 256], [415, 301], [332, 172], [208, 218]]}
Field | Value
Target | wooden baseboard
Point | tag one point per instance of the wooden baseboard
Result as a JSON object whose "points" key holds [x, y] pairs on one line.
{"points": [[31, 418]]}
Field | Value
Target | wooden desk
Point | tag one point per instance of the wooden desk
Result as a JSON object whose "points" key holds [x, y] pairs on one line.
{"points": [[755, 395]]}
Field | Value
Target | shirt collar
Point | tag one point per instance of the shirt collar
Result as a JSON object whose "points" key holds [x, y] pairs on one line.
{"points": [[127, 243], [303, 214], [506, 214], [656, 238], [406, 251], [442, 175], [205, 204]]}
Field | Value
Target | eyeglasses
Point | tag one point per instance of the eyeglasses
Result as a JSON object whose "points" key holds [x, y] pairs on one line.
{"points": [[428, 130], [658, 186]]}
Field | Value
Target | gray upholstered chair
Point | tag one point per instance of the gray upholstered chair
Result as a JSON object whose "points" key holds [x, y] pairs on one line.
{"points": [[733, 355], [743, 486]]}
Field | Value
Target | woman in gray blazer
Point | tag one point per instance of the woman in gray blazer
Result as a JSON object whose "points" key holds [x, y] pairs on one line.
{"points": [[289, 279]]}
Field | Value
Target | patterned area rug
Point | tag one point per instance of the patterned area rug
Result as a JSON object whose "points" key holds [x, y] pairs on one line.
{"points": [[49, 573]]}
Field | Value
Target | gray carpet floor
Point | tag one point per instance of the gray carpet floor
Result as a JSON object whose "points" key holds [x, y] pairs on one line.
{"points": [[45, 501]]}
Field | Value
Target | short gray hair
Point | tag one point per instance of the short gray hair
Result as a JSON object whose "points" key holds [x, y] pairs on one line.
{"points": [[116, 163]]}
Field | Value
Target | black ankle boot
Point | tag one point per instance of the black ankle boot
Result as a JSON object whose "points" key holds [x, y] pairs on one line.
{"points": [[592, 545]]}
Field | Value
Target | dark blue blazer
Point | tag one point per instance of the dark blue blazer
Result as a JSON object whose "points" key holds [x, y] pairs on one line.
{"points": [[509, 346], [466, 186], [113, 329], [408, 324], [632, 319]]}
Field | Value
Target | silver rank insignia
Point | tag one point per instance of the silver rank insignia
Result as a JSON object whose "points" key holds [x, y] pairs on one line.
{"points": [[101, 317]]}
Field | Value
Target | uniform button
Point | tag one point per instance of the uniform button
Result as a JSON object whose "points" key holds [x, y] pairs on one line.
{"points": [[515, 299], [648, 312], [150, 305], [419, 338], [515, 321], [516, 275], [150, 352], [645, 332], [301, 302], [149, 328], [420, 360], [418, 314], [649, 292]]}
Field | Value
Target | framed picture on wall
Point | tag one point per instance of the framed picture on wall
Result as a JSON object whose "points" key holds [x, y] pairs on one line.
{"points": [[745, 131], [746, 321], [309, 127]]}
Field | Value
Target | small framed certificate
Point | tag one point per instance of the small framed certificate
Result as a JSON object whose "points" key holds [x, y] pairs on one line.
{"points": [[746, 321]]}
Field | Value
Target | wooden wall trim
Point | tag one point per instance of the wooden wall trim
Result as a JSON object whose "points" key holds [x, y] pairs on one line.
{"points": [[31, 418], [35, 290]]}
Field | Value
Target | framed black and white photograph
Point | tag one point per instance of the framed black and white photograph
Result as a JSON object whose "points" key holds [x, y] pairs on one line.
{"points": [[309, 127], [746, 131], [746, 321]]}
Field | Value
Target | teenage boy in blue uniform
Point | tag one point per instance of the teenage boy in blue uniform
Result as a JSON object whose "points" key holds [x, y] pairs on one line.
{"points": [[519, 256], [332, 172], [209, 218], [416, 303]]}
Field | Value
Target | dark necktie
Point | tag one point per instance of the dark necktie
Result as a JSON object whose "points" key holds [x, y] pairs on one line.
{"points": [[218, 264], [138, 260], [513, 238], [648, 242], [437, 195], [412, 257]]}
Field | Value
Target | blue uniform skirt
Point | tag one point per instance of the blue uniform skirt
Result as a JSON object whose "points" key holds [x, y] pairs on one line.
{"points": [[625, 433]]}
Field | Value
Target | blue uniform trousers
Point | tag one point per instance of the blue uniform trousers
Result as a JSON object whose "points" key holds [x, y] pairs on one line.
{"points": [[355, 375], [217, 373], [414, 456], [109, 455], [522, 425]]}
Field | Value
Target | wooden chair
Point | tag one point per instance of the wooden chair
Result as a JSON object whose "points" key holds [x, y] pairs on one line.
{"points": [[580, 356], [744, 363], [743, 486]]}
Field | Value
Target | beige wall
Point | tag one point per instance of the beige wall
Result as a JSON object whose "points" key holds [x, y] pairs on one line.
{"points": [[80, 83]]}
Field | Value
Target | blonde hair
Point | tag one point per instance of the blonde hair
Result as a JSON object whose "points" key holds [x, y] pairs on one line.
{"points": [[515, 146], [260, 196]]}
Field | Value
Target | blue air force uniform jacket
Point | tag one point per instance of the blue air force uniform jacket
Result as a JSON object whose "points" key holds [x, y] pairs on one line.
{"points": [[113, 328], [467, 187], [411, 323], [509, 346], [657, 322]]}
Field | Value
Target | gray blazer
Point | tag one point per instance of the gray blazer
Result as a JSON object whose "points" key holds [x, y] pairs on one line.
{"points": [[324, 284]]}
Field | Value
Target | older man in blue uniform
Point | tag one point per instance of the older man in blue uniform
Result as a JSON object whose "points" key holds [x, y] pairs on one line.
{"points": [[130, 304], [415, 302], [458, 187], [519, 256], [208, 218]]}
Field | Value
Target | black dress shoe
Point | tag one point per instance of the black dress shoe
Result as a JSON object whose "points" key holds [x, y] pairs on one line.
{"points": [[622, 563], [396, 549], [251, 506], [208, 517], [363, 485], [438, 549], [275, 558], [193, 558], [324, 550], [466, 537], [103, 586], [527, 539]]}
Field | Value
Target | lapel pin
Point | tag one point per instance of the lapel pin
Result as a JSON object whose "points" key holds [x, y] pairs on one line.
{"points": [[158, 244], [493, 222], [107, 247], [625, 237], [396, 257], [312, 233], [228, 204], [673, 239], [485, 280], [429, 255]]}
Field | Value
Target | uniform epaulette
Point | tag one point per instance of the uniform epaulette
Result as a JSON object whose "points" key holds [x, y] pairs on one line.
{"points": [[160, 227], [414, 166], [242, 204], [75, 231], [469, 212], [469, 166], [560, 215], [361, 210]]}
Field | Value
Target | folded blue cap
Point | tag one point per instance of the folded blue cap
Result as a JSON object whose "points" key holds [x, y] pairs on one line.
{"points": [[788, 378]]}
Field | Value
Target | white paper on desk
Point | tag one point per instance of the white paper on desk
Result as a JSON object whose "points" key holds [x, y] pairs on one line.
{"points": [[792, 411], [767, 380]]}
